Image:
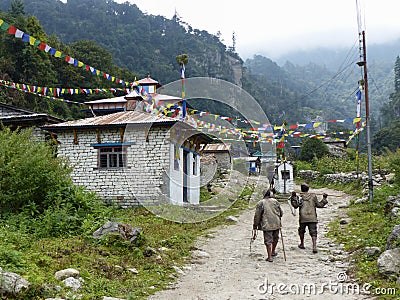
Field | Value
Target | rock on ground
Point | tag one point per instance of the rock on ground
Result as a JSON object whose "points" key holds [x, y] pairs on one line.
{"points": [[12, 283], [393, 237], [63, 274], [126, 231], [389, 262]]}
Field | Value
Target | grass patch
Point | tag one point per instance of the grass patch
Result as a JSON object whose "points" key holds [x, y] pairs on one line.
{"points": [[104, 265], [369, 227]]}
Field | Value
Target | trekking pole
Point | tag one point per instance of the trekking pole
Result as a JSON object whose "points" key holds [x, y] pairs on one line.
{"points": [[283, 245], [253, 236]]}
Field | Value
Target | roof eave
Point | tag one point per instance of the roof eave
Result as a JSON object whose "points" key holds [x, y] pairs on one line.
{"points": [[100, 126]]}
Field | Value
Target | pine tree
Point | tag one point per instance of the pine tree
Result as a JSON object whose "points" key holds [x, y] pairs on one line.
{"points": [[17, 8], [397, 75]]}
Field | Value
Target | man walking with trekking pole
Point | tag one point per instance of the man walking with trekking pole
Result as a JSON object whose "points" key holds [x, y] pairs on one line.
{"points": [[267, 218]]}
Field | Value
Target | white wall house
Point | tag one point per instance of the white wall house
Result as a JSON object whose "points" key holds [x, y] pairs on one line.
{"points": [[133, 157]]}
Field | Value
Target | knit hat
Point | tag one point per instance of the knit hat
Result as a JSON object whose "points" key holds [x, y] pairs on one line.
{"points": [[304, 187]]}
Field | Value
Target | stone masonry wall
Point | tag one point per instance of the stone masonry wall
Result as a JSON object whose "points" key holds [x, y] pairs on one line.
{"points": [[140, 181], [224, 160]]}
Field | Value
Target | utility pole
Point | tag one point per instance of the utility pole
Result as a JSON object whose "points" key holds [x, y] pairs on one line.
{"points": [[363, 63]]}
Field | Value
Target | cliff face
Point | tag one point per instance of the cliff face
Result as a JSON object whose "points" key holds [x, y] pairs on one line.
{"points": [[237, 70], [218, 64]]}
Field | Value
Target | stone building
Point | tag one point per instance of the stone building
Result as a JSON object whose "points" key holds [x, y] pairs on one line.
{"points": [[336, 147], [222, 153], [145, 91], [131, 157]]}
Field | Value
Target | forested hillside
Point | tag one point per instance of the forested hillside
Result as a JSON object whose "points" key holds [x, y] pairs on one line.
{"points": [[317, 91], [121, 40], [20, 63], [142, 43], [388, 137]]}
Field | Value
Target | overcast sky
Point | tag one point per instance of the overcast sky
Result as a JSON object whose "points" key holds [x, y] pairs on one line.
{"points": [[274, 27]]}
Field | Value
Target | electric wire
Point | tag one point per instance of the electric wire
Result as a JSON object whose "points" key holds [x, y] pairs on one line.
{"points": [[327, 81]]}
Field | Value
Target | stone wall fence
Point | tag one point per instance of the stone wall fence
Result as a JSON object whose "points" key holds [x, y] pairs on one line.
{"points": [[378, 176]]}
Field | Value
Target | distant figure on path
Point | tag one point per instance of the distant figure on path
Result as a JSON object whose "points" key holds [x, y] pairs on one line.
{"points": [[307, 204], [272, 182], [271, 175], [258, 165], [267, 218]]}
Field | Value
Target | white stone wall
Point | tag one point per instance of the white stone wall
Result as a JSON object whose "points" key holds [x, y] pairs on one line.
{"points": [[193, 178], [176, 177], [147, 161], [39, 134], [282, 185]]}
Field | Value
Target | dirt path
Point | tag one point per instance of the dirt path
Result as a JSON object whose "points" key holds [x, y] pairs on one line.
{"points": [[233, 272]]}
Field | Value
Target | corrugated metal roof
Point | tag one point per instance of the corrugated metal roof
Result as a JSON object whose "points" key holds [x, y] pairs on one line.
{"points": [[162, 97], [217, 147], [109, 100], [147, 80], [30, 116], [134, 94], [115, 119], [32, 120], [14, 108]]}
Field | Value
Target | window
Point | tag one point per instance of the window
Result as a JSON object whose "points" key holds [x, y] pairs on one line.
{"points": [[112, 157], [285, 175]]}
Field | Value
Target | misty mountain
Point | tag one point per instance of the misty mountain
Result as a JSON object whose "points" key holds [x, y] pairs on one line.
{"points": [[332, 75], [385, 53], [301, 87], [380, 63]]}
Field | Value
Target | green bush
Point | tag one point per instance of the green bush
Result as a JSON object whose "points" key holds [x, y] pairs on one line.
{"points": [[37, 195], [11, 257], [79, 212], [394, 162], [329, 165], [313, 148], [300, 165], [30, 174]]}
